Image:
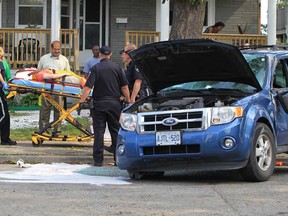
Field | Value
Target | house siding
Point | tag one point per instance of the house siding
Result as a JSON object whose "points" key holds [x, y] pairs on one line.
{"points": [[8, 14], [234, 12], [141, 17]]}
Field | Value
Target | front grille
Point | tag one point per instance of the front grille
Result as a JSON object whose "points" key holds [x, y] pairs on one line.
{"points": [[175, 149], [187, 119]]}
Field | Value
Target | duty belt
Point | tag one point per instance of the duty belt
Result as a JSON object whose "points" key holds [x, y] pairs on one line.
{"points": [[106, 98]]}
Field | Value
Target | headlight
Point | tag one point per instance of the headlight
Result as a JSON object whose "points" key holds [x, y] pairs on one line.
{"points": [[222, 115], [128, 121]]}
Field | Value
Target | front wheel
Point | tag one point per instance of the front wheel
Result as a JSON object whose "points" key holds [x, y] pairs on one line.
{"points": [[137, 175], [37, 142], [262, 157]]}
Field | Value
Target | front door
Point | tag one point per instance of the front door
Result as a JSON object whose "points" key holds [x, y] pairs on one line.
{"points": [[91, 27]]}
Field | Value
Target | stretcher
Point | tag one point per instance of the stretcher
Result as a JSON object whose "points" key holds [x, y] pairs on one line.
{"points": [[22, 84]]}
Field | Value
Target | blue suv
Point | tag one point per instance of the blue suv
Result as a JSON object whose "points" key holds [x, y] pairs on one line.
{"points": [[213, 107]]}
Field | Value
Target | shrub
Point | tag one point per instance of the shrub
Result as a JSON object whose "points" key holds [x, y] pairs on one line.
{"points": [[26, 100]]}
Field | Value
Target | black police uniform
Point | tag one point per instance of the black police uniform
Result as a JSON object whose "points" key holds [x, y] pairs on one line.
{"points": [[107, 78], [132, 74]]}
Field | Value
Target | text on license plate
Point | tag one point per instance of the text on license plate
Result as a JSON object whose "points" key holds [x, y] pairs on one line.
{"points": [[168, 138]]}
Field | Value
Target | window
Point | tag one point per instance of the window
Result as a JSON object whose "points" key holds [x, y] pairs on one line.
{"points": [[30, 12], [280, 78], [65, 19], [65, 14]]}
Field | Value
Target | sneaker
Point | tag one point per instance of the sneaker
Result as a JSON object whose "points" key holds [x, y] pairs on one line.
{"points": [[8, 142], [109, 149]]}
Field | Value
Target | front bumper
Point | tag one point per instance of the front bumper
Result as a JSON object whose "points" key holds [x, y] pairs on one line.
{"points": [[199, 150]]}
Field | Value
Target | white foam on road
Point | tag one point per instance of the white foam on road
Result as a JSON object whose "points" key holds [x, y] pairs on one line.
{"points": [[59, 173]]}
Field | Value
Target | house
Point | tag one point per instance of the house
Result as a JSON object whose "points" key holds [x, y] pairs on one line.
{"points": [[282, 22], [105, 22]]}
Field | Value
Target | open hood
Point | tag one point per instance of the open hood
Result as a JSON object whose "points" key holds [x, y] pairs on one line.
{"points": [[168, 63]]}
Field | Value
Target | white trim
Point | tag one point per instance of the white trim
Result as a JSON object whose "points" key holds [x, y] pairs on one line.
{"points": [[71, 14], [78, 15], [107, 15], [84, 25], [100, 24], [271, 31], [162, 19], [211, 12], [55, 19]]}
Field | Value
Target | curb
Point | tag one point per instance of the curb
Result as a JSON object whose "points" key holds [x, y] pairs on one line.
{"points": [[12, 159], [51, 152]]}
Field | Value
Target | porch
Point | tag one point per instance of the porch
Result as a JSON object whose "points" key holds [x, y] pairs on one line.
{"points": [[142, 37], [24, 47]]}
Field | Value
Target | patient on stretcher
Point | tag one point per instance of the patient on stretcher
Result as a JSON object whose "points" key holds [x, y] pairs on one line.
{"points": [[49, 75], [62, 80]]}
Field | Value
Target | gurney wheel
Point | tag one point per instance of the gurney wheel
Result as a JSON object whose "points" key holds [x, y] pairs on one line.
{"points": [[38, 143]]}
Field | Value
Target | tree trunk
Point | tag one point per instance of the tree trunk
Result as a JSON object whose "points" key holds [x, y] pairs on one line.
{"points": [[188, 20]]}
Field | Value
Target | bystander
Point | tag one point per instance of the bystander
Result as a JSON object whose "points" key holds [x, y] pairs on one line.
{"points": [[53, 61], [215, 28], [95, 59]]}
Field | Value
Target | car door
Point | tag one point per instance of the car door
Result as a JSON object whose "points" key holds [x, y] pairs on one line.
{"points": [[280, 88]]}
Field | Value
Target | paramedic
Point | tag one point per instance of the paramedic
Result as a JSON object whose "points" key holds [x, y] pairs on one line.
{"points": [[137, 85], [109, 82], [4, 113], [95, 59], [53, 61]]}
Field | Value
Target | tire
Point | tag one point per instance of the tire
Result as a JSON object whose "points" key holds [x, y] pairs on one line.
{"points": [[136, 175], [38, 144], [262, 157]]}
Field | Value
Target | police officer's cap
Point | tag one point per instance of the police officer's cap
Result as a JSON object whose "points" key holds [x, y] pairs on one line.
{"points": [[105, 50]]}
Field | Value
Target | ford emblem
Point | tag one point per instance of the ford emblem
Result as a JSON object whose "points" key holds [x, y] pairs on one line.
{"points": [[170, 121]]}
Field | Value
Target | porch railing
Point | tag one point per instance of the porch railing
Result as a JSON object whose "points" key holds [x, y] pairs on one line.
{"points": [[142, 37], [24, 47], [238, 39]]}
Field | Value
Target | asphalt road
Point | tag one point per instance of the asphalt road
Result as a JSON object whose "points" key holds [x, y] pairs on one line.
{"points": [[209, 193]]}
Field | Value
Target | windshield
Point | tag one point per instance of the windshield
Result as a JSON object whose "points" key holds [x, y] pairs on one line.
{"points": [[210, 85]]}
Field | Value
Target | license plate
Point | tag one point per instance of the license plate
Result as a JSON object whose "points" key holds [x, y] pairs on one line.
{"points": [[168, 138]]}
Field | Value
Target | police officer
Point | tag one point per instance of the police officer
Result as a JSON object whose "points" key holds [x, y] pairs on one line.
{"points": [[108, 82], [137, 85]]}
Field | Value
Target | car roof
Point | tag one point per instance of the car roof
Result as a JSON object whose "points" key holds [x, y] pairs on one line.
{"points": [[276, 51]]}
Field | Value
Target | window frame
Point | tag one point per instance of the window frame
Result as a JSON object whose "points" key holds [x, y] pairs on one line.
{"points": [[17, 25]]}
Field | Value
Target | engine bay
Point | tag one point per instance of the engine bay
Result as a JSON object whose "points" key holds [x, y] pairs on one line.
{"points": [[165, 104]]}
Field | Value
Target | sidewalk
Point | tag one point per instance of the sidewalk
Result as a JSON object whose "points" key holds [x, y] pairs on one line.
{"points": [[51, 152]]}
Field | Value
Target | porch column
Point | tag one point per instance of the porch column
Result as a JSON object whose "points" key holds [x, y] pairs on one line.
{"points": [[162, 19], [271, 23], [55, 19]]}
